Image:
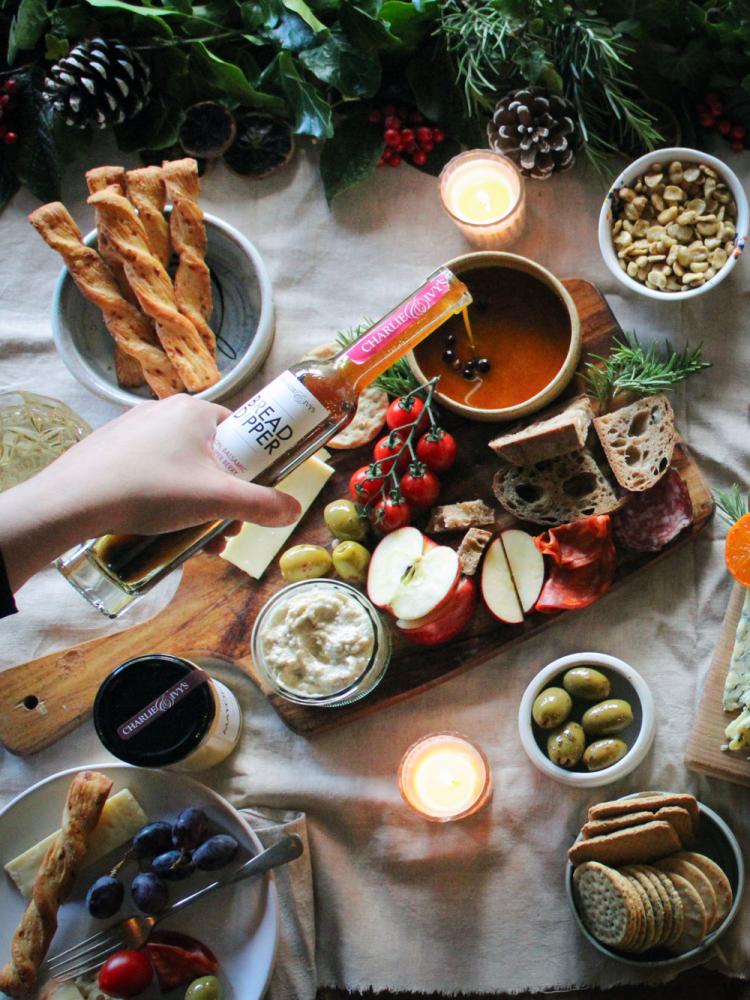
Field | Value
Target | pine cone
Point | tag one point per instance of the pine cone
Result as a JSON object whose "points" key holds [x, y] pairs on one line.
{"points": [[98, 83], [537, 130]]}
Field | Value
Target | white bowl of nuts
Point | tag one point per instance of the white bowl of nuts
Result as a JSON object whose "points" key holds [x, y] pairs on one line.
{"points": [[673, 224]]}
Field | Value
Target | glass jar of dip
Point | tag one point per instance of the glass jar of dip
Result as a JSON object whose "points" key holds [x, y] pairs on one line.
{"points": [[167, 711], [320, 643]]}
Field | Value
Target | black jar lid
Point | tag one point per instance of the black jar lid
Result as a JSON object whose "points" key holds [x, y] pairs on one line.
{"points": [[134, 686]]}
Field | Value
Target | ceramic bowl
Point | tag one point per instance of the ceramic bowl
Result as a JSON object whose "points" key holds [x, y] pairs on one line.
{"points": [[628, 177], [625, 683], [242, 318], [717, 842], [462, 268]]}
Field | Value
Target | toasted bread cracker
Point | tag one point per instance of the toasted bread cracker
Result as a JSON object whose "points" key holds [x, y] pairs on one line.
{"points": [[367, 421], [646, 802], [641, 843]]}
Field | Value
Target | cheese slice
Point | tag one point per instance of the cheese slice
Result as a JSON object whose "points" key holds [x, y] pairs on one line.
{"points": [[737, 683], [253, 549], [121, 818]]}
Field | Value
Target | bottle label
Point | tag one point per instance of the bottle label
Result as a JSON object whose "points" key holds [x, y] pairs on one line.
{"points": [[266, 426], [395, 323]]}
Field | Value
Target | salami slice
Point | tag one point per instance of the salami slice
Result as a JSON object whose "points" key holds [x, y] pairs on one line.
{"points": [[570, 589], [652, 519], [578, 543]]}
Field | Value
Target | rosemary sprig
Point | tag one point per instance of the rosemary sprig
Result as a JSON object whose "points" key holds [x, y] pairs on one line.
{"points": [[731, 504], [397, 380], [645, 370]]}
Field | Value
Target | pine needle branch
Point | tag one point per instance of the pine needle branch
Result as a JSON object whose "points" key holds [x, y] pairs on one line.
{"points": [[731, 504], [398, 380]]}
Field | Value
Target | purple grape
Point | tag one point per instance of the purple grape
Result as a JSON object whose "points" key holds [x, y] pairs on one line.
{"points": [[152, 839], [149, 892], [105, 897], [190, 829], [172, 865], [215, 853]]}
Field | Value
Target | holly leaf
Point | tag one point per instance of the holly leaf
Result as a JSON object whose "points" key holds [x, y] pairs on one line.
{"points": [[36, 157], [156, 127], [311, 113], [405, 21], [351, 155], [70, 22], [301, 9], [27, 27], [338, 64], [229, 79], [155, 16], [439, 156], [55, 48], [364, 30], [292, 33], [431, 78]]}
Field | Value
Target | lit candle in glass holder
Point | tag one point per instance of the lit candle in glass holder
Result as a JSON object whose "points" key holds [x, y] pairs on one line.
{"points": [[444, 777], [483, 192]]}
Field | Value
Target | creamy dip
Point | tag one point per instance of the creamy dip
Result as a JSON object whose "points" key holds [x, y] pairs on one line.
{"points": [[317, 641]]}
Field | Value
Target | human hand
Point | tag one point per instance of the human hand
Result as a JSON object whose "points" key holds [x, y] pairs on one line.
{"points": [[149, 471]]}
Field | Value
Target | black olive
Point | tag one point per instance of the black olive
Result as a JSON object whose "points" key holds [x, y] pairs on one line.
{"points": [[483, 364], [471, 364], [469, 373], [448, 355]]}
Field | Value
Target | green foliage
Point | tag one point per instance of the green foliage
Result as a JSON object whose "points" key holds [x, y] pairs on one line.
{"points": [[351, 155], [731, 504], [311, 113], [27, 27]]}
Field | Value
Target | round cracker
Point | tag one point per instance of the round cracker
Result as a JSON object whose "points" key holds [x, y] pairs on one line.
{"points": [[716, 876], [675, 905], [367, 421], [608, 905], [698, 881], [658, 903], [648, 934], [694, 912]]}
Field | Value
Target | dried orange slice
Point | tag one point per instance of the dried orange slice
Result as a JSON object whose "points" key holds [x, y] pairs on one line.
{"points": [[737, 551]]}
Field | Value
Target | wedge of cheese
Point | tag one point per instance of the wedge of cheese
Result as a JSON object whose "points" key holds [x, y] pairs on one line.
{"points": [[121, 818], [253, 549]]}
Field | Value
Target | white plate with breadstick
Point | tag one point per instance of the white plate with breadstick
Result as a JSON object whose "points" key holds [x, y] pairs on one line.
{"points": [[94, 812], [160, 297]]}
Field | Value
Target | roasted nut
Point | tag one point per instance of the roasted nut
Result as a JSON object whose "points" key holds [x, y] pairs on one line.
{"points": [[673, 193], [691, 174]]}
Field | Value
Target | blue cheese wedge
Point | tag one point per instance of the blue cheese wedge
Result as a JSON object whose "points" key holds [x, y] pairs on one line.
{"points": [[121, 818], [738, 731], [737, 684]]}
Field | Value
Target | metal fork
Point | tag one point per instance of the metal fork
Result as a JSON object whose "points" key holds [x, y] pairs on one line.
{"points": [[135, 931]]}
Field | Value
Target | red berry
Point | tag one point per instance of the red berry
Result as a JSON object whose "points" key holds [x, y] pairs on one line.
{"points": [[389, 110], [715, 109], [392, 122], [409, 147], [427, 146], [407, 135], [10, 138], [738, 132], [737, 145], [4, 100], [395, 161], [707, 120], [392, 137], [438, 135], [419, 158], [386, 154], [724, 126], [374, 117], [424, 134], [10, 86]]}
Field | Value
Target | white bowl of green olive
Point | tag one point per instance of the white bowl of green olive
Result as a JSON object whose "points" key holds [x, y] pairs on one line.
{"points": [[587, 719]]}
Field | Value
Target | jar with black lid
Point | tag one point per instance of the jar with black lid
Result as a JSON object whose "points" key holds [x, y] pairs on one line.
{"points": [[159, 710]]}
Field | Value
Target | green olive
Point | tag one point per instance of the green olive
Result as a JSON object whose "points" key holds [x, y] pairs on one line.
{"points": [[344, 520], [607, 717], [350, 560], [604, 753], [586, 683], [551, 708], [205, 988], [305, 562], [565, 745]]}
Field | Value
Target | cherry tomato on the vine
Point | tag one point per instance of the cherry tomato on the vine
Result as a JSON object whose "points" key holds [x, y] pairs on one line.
{"points": [[437, 449], [363, 486], [419, 486], [389, 514], [126, 974], [404, 411], [388, 447]]}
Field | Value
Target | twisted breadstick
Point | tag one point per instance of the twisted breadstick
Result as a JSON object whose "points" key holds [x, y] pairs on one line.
{"points": [[86, 797], [147, 193], [127, 326], [129, 372], [192, 283], [155, 291]]}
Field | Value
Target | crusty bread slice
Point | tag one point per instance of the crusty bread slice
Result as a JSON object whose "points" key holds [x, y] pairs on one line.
{"points": [[564, 430], [638, 441], [562, 489]]}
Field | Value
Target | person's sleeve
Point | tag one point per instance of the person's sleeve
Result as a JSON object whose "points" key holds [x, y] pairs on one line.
{"points": [[7, 604]]}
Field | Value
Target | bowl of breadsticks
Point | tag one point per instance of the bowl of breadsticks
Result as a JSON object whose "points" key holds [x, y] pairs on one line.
{"points": [[161, 297]]}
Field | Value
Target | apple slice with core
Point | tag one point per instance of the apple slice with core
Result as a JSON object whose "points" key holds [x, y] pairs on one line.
{"points": [[452, 619], [526, 564], [410, 575], [498, 590]]}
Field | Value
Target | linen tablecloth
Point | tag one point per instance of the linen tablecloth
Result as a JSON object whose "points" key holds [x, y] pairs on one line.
{"points": [[402, 904]]}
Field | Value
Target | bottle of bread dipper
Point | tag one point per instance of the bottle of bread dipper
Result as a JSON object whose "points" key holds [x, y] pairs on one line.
{"points": [[264, 440]]}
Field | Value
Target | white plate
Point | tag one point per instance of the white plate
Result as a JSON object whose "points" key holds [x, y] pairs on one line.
{"points": [[240, 923]]}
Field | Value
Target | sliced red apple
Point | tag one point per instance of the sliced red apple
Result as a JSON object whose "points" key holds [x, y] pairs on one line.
{"points": [[405, 626], [497, 586], [452, 618], [410, 575], [526, 564]]}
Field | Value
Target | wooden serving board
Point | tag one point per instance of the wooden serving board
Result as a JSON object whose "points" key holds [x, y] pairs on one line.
{"points": [[704, 751], [215, 606]]}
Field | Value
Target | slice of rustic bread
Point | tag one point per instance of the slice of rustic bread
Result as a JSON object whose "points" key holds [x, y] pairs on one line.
{"points": [[564, 430], [638, 441], [562, 489]]}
